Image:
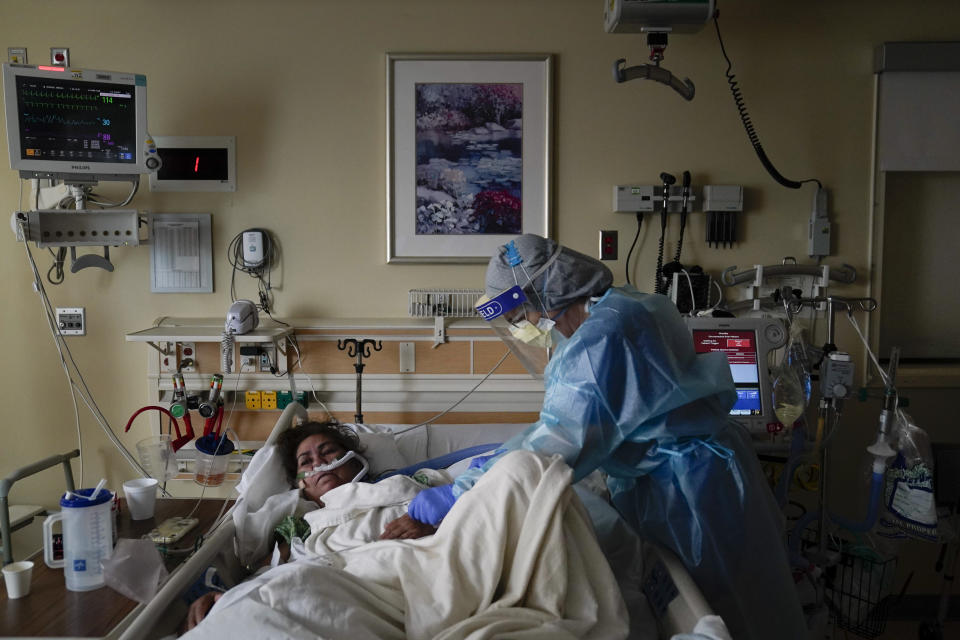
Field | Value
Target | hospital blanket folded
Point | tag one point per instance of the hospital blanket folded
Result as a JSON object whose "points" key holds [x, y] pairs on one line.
{"points": [[515, 557]]}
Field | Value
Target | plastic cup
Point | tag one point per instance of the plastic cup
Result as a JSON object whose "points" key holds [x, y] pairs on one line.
{"points": [[157, 457], [17, 576], [141, 496], [213, 454]]}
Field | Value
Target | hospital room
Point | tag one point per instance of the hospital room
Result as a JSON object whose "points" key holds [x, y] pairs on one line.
{"points": [[502, 319]]}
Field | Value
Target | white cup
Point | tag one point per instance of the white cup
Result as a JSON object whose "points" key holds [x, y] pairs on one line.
{"points": [[17, 576], [141, 496]]}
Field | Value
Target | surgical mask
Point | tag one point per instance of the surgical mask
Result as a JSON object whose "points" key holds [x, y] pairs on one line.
{"points": [[347, 457], [538, 335]]}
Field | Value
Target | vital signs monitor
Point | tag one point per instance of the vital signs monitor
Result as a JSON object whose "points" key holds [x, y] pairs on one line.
{"points": [[77, 124], [746, 343]]}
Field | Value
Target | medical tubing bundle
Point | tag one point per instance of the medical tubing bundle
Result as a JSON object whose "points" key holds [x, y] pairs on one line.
{"points": [[85, 393]]}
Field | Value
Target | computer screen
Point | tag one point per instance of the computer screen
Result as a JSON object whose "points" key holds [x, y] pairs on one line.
{"points": [[68, 123], [740, 347], [745, 342]]}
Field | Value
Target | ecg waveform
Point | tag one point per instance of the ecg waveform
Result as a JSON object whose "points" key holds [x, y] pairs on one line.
{"points": [[69, 122], [58, 95]]}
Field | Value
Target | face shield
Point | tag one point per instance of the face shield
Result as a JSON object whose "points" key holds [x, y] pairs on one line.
{"points": [[508, 314]]}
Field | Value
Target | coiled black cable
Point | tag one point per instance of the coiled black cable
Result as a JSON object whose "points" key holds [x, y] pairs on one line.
{"points": [[748, 123]]}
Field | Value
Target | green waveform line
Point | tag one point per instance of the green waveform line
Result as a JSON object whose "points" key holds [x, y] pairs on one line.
{"points": [[58, 95]]}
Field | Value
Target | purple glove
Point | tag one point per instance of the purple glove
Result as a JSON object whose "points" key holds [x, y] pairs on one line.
{"points": [[431, 505]]}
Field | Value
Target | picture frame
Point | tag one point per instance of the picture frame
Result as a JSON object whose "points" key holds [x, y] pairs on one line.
{"points": [[469, 149]]}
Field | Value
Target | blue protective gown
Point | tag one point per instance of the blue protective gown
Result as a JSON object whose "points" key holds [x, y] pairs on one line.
{"points": [[628, 394]]}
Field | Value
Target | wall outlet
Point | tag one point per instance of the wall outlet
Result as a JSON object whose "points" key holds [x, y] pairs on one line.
{"points": [[72, 321], [249, 358], [188, 358], [17, 55], [168, 357], [608, 244], [268, 399], [253, 399], [60, 56]]}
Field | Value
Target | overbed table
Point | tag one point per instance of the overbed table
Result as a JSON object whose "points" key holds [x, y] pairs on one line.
{"points": [[50, 610]]}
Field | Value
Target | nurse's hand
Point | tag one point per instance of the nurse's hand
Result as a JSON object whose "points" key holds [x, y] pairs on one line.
{"points": [[200, 607], [431, 505], [406, 528]]}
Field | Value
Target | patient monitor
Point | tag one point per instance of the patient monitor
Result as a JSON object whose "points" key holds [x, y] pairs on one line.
{"points": [[77, 125], [746, 343]]}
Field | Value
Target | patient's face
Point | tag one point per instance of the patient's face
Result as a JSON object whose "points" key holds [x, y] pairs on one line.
{"points": [[317, 450]]}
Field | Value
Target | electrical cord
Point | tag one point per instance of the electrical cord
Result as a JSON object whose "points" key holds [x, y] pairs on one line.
{"points": [[634, 244], [85, 394], [748, 123], [134, 187], [457, 403]]}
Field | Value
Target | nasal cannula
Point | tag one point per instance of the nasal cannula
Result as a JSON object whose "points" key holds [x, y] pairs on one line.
{"points": [[322, 468]]}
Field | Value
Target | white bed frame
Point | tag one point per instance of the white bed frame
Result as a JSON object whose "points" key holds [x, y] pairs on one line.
{"points": [[675, 599]]}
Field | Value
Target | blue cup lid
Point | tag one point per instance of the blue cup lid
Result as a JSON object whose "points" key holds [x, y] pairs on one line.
{"points": [[214, 446], [74, 501]]}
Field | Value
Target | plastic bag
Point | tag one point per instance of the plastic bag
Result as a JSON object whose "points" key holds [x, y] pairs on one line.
{"points": [[910, 508], [135, 569], [791, 381]]}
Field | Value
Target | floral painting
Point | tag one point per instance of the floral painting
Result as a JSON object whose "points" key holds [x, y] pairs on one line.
{"points": [[468, 153], [469, 157]]}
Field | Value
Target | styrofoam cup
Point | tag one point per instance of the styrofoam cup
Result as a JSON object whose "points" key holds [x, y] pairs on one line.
{"points": [[17, 576], [141, 496]]}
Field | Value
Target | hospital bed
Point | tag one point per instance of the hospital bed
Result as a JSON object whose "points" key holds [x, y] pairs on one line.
{"points": [[671, 602]]}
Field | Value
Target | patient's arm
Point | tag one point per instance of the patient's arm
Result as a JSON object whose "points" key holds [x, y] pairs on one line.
{"points": [[200, 607], [406, 528]]}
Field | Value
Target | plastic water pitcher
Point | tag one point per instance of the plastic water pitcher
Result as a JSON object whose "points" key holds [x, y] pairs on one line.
{"points": [[87, 538]]}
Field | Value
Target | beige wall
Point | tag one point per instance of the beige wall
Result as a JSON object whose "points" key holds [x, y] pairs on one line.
{"points": [[302, 86]]}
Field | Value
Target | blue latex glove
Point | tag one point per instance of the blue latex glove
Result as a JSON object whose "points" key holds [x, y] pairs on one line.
{"points": [[431, 505], [479, 461]]}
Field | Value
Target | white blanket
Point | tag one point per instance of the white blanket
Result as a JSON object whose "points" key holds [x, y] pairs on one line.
{"points": [[515, 557]]}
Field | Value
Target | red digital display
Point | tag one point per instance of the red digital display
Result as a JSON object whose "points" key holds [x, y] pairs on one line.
{"points": [[739, 343]]}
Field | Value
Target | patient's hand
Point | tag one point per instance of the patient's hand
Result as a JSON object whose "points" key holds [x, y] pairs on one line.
{"points": [[200, 607], [407, 528]]}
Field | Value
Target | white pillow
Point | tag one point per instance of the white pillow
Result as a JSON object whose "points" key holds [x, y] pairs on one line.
{"points": [[381, 451]]}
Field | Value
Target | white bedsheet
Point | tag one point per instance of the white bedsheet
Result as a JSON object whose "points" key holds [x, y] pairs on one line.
{"points": [[515, 556]]}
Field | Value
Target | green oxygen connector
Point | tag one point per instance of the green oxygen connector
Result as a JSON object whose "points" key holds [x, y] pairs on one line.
{"points": [[178, 409]]}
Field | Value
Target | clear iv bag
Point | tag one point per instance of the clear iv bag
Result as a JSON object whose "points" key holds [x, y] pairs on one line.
{"points": [[791, 381]]}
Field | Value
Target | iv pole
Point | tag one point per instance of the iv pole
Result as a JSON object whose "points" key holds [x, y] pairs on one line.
{"points": [[359, 349]]}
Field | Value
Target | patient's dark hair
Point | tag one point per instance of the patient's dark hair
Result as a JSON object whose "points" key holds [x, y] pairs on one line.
{"points": [[289, 440]]}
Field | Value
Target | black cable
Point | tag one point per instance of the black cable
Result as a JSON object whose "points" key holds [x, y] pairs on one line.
{"points": [[683, 214], [658, 283], [668, 180], [748, 124], [637, 235]]}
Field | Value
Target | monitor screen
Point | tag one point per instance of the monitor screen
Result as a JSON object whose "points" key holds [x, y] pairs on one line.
{"points": [[746, 343], [71, 122], [740, 347]]}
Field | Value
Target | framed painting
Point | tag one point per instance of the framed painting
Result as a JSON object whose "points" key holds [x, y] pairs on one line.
{"points": [[468, 154]]}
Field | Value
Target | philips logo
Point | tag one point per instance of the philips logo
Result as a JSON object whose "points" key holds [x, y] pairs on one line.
{"points": [[84, 167]]}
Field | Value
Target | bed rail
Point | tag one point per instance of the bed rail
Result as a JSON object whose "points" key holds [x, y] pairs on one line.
{"points": [[146, 618]]}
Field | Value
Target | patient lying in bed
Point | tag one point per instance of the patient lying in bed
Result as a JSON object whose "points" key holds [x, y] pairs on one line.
{"points": [[314, 457], [519, 555]]}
